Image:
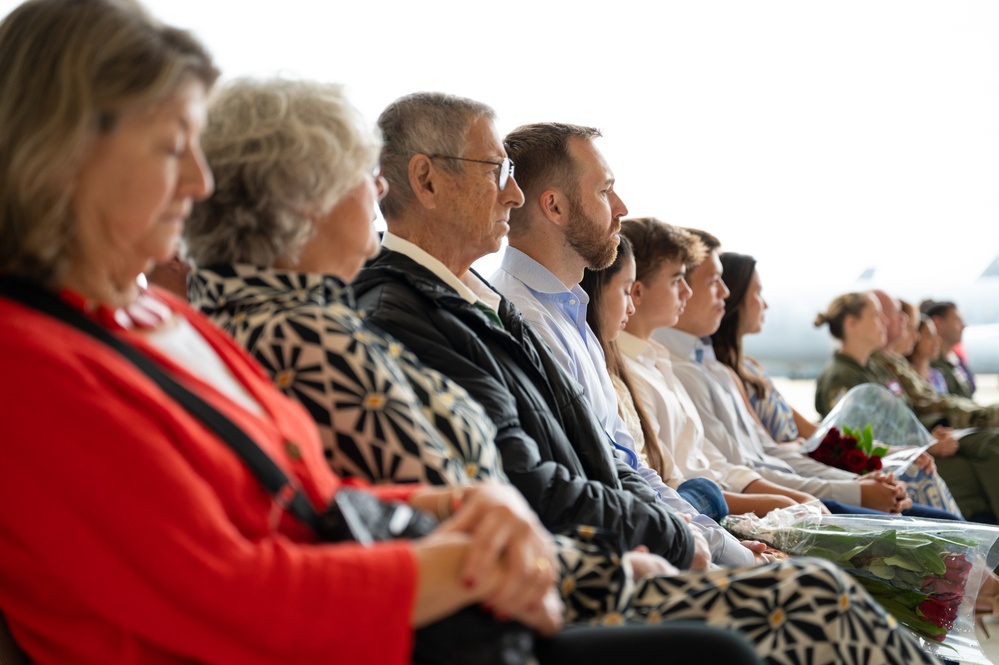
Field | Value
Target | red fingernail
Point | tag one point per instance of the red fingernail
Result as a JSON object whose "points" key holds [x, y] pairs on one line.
{"points": [[469, 582]]}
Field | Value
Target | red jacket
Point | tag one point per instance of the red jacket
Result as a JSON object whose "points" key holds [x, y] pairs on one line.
{"points": [[130, 534]]}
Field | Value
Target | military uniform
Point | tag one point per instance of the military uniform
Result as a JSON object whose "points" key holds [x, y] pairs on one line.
{"points": [[970, 473], [839, 375], [932, 407], [956, 376]]}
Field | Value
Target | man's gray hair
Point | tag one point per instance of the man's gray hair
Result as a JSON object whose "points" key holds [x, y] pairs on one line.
{"points": [[429, 123]]}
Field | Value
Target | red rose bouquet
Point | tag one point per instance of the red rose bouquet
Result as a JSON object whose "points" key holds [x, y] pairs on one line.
{"points": [[843, 440], [925, 573], [851, 450]]}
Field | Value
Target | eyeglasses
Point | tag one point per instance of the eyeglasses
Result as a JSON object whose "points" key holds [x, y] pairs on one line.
{"points": [[505, 171]]}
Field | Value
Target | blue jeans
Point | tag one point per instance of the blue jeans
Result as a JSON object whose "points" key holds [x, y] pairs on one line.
{"points": [[917, 510], [705, 496]]}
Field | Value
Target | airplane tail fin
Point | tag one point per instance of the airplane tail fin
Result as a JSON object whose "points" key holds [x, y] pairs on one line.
{"points": [[992, 270]]}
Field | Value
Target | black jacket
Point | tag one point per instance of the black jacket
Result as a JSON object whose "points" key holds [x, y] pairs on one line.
{"points": [[553, 448]]}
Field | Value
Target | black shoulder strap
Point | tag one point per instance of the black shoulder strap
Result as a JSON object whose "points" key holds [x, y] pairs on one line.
{"points": [[285, 492]]}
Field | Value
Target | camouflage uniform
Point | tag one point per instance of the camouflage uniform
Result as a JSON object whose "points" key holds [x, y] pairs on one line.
{"points": [[839, 375], [932, 407], [970, 473], [956, 377]]}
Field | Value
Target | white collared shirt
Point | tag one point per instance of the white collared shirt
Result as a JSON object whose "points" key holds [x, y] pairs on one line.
{"points": [[737, 435], [469, 287], [675, 420]]}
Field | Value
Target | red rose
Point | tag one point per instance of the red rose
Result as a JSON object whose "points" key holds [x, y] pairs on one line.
{"points": [[848, 442], [873, 463], [831, 440], [942, 585], [936, 612], [958, 568], [854, 460], [950, 602], [822, 452]]}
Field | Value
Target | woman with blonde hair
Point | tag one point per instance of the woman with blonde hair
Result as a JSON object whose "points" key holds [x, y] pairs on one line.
{"points": [[855, 320]]}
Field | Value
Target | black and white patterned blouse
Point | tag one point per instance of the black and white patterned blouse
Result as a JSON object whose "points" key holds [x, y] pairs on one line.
{"points": [[382, 415]]}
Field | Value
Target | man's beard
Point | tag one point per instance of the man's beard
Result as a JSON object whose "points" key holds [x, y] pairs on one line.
{"points": [[589, 241]]}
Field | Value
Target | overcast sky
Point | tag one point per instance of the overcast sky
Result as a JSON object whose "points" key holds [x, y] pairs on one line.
{"points": [[822, 137]]}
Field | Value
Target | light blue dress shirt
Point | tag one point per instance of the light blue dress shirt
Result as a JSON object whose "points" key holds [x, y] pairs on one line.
{"points": [[558, 314]]}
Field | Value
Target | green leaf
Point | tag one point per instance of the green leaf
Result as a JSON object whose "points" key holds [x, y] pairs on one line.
{"points": [[930, 559], [911, 540], [885, 544], [902, 561], [912, 579], [882, 571], [831, 555]]}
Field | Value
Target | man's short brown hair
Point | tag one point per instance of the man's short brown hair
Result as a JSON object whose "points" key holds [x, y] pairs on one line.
{"points": [[540, 153], [711, 244], [937, 308], [655, 242]]}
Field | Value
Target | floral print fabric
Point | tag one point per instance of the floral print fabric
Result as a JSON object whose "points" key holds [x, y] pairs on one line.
{"points": [[382, 415]]}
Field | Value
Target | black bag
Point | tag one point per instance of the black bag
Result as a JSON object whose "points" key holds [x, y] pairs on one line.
{"points": [[364, 518], [469, 637]]}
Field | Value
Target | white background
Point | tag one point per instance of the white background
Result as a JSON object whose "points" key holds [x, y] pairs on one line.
{"points": [[822, 137]]}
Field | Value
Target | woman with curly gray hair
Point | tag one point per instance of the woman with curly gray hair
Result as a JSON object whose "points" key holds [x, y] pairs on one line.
{"points": [[288, 157]]}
